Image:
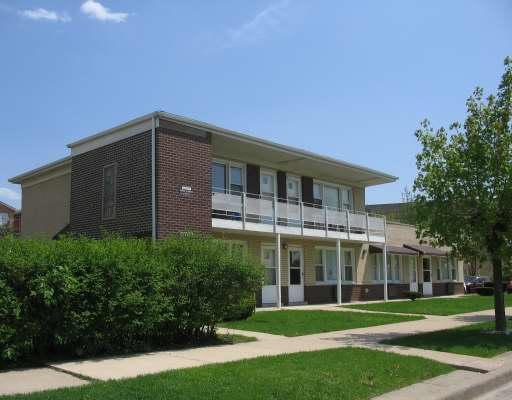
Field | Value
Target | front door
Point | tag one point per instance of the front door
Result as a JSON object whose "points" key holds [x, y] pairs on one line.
{"points": [[413, 274], [269, 289], [427, 276], [296, 267]]}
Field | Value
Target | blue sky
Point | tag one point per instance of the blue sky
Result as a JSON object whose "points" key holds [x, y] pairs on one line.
{"points": [[349, 79]]}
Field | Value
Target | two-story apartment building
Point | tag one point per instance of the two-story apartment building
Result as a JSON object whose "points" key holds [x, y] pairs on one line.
{"points": [[7, 215], [302, 214]]}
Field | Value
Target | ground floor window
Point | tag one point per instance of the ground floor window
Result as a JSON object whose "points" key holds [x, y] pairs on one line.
{"points": [[393, 268], [377, 267], [326, 265], [453, 268], [237, 247], [413, 269]]}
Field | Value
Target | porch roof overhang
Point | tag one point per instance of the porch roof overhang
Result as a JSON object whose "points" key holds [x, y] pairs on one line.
{"points": [[427, 250], [379, 248]]}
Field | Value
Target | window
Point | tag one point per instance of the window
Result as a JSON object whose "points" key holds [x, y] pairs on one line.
{"points": [[413, 271], [318, 193], [109, 191], [267, 184], [444, 269], [377, 267], [453, 268], [236, 181], [326, 266], [227, 175], [4, 219], [269, 262], [348, 265], [237, 247], [218, 178], [293, 188], [333, 196], [393, 268]]}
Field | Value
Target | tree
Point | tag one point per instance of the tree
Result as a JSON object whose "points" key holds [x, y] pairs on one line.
{"points": [[463, 190]]}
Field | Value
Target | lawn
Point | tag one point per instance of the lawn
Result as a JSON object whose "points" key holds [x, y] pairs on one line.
{"points": [[301, 322], [346, 373], [438, 306], [473, 340]]}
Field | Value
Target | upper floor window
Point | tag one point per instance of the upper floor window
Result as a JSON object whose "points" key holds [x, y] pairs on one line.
{"points": [[109, 191], [267, 184], [333, 196], [293, 188], [4, 219], [227, 176]]}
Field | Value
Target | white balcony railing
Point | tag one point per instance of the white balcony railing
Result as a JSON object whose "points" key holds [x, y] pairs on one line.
{"points": [[245, 211]]}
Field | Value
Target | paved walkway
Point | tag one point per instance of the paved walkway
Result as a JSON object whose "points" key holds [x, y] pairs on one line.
{"points": [[266, 345]]}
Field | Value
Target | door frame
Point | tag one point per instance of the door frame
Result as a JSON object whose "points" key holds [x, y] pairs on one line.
{"points": [[413, 285], [296, 292], [427, 286]]}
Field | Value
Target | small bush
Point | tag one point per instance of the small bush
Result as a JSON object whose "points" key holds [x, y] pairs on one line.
{"points": [[79, 296], [485, 291], [412, 295]]}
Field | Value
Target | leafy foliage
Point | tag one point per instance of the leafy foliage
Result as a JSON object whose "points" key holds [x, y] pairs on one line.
{"points": [[84, 296], [412, 295], [463, 189]]}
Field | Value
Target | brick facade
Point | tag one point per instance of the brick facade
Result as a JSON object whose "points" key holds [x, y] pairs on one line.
{"points": [[133, 188], [183, 159]]}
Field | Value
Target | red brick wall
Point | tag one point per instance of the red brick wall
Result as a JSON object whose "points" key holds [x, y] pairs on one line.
{"points": [[133, 189], [183, 158]]}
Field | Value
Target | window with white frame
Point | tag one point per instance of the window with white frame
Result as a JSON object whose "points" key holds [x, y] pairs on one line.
{"points": [[267, 184], [270, 264], [413, 268], [293, 188], [333, 196], [326, 266], [393, 268], [377, 267], [4, 219], [444, 269], [237, 247], [227, 176]]}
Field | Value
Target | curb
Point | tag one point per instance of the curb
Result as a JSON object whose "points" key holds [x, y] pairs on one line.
{"points": [[488, 382]]}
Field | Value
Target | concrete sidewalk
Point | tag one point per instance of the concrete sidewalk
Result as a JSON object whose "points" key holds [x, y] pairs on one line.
{"points": [[266, 345]]}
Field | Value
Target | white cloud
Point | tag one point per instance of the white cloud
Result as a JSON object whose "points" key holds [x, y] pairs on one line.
{"points": [[98, 11], [44, 14], [9, 194], [260, 26]]}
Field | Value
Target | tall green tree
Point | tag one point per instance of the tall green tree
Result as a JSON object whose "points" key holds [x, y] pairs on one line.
{"points": [[463, 190]]}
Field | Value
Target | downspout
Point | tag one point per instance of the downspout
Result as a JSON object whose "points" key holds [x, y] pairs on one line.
{"points": [[153, 177]]}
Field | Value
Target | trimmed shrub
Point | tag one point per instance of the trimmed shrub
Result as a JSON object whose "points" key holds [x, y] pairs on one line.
{"points": [[485, 291], [79, 296], [412, 295]]}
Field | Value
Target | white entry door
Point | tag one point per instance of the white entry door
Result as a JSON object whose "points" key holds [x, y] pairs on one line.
{"points": [[269, 289], [427, 276], [296, 275], [413, 274]]}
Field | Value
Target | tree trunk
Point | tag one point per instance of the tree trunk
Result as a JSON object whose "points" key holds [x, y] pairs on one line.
{"points": [[499, 299]]}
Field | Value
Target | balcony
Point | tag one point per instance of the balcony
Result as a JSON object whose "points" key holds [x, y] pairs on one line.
{"points": [[256, 213]]}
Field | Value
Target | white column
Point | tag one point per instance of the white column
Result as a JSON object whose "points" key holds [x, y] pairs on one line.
{"points": [[338, 263], [385, 260], [278, 262]]}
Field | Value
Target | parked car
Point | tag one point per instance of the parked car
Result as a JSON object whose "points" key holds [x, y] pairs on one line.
{"points": [[471, 283]]}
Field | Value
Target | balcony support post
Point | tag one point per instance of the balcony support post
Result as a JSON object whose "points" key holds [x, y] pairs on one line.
{"points": [[339, 275], [278, 265], [326, 222], [348, 223], [243, 210], [301, 204], [274, 203], [367, 227], [385, 260]]}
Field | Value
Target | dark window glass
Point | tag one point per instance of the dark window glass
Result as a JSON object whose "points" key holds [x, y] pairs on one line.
{"points": [[109, 191], [236, 184], [219, 178], [294, 276]]}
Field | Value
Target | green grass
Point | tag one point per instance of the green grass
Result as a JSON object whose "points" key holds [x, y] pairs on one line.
{"points": [[473, 340], [301, 322], [346, 373], [444, 306]]}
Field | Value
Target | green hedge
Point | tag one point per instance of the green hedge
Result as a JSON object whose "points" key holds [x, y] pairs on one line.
{"points": [[84, 297]]}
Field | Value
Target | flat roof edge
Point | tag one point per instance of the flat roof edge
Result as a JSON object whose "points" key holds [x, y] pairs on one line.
{"points": [[39, 170]]}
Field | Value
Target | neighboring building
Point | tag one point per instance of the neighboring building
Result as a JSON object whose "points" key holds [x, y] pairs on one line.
{"points": [[300, 213], [7, 213]]}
